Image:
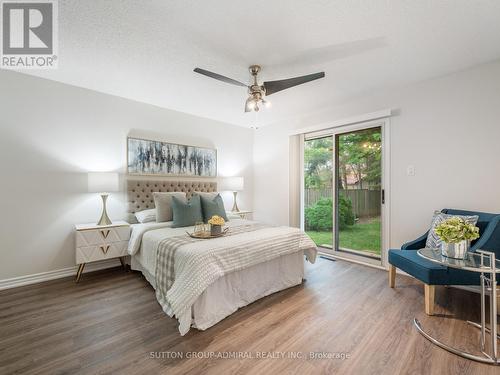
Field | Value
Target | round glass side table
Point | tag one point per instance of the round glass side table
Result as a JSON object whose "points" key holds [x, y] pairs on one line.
{"points": [[483, 262]]}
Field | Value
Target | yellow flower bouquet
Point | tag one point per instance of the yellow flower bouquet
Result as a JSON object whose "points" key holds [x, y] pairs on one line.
{"points": [[216, 220]]}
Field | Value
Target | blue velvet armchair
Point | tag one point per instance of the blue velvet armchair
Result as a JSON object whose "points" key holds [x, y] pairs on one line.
{"points": [[432, 274]]}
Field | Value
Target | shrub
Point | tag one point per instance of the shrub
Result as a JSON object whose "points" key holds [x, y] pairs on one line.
{"points": [[319, 216], [346, 215]]}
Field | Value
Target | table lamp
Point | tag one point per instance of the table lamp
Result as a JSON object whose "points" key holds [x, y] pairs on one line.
{"points": [[103, 183], [233, 184]]}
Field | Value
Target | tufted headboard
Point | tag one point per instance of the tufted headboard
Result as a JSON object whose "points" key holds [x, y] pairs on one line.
{"points": [[140, 192]]}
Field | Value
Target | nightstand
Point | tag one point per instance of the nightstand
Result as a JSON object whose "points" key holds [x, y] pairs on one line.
{"points": [[243, 214], [99, 242]]}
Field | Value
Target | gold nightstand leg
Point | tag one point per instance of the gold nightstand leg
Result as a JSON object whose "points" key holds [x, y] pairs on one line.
{"points": [[80, 271], [122, 261]]}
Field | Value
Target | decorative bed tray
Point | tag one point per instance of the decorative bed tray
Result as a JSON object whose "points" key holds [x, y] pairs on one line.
{"points": [[207, 235]]}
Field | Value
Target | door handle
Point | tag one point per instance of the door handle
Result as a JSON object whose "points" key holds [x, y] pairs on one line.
{"points": [[383, 196]]}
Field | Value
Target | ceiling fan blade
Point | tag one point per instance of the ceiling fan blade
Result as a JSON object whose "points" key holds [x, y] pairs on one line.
{"points": [[275, 86], [219, 77]]}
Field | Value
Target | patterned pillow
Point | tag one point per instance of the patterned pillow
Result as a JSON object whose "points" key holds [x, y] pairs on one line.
{"points": [[433, 241]]}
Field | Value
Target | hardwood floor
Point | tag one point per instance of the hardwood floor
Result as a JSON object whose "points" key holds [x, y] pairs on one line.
{"points": [[111, 323]]}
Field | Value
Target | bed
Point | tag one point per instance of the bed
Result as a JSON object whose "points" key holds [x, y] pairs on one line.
{"points": [[200, 282]]}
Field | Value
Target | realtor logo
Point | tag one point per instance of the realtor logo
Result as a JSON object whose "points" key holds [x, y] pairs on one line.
{"points": [[29, 34]]}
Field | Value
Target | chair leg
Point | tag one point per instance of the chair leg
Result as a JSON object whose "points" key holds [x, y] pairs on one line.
{"points": [[429, 291], [392, 276], [498, 302]]}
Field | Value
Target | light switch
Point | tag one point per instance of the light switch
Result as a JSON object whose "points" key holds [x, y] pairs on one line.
{"points": [[410, 170]]}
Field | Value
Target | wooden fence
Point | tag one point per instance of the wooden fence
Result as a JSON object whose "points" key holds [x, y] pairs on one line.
{"points": [[365, 202]]}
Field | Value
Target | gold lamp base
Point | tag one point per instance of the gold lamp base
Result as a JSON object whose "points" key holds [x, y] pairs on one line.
{"points": [[104, 220]]}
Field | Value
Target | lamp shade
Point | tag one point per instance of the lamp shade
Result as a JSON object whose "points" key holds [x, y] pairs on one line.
{"points": [[232, 184], [102, 182]]}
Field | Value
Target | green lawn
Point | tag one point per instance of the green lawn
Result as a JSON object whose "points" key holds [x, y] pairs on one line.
{"points": [[362, 237]]}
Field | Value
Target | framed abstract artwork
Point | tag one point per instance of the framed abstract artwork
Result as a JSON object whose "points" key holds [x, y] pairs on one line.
{"points": [[148, 157]]}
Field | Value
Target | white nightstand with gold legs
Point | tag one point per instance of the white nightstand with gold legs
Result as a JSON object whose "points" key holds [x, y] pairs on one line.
{"points": [[100, 242]]}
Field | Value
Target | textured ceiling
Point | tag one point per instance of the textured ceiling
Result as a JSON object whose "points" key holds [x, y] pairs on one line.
{"points": [[146, 50]]}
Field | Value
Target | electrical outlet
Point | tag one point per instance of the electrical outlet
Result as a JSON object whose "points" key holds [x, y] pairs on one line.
{"points": [[410, 170]]}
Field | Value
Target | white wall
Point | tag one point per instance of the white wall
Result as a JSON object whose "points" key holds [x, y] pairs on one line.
{"points": [[448, 128], [51, 134]]}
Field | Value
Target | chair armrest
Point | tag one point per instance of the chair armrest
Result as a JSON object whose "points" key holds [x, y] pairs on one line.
{"points": [[485, 237], [419, 243]]}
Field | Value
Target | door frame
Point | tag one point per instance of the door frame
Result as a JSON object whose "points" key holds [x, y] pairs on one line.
{"points": [[385, 216]]}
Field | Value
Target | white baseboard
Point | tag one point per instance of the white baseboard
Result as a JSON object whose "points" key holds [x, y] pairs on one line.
{"points": [[56, 274]]}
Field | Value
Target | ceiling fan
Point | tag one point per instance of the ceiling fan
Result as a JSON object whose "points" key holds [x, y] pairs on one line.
{"points": [[256, 92]]}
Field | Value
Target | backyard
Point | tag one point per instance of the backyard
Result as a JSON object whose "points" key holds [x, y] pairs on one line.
{"points": [[363, 236], [348, 188]]}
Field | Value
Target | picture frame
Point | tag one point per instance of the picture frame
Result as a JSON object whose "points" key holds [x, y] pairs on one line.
{"points": [[148, 157]]}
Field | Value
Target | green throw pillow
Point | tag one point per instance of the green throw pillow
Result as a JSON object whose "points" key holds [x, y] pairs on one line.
{"points": [[186, 214], [213, 206]]}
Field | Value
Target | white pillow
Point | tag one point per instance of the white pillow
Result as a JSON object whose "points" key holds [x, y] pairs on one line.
{"points": [[163, 204], [146, 216]]}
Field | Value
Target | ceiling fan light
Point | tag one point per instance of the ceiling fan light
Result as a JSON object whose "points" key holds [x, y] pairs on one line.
{"points": [[266, 103]]}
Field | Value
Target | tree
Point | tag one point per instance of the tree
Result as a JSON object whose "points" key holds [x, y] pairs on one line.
{"points": [[360, 155]]}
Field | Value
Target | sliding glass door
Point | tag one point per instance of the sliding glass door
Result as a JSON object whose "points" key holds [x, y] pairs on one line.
{"points": [[358, 171], [343, 192], [318, 190]]}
